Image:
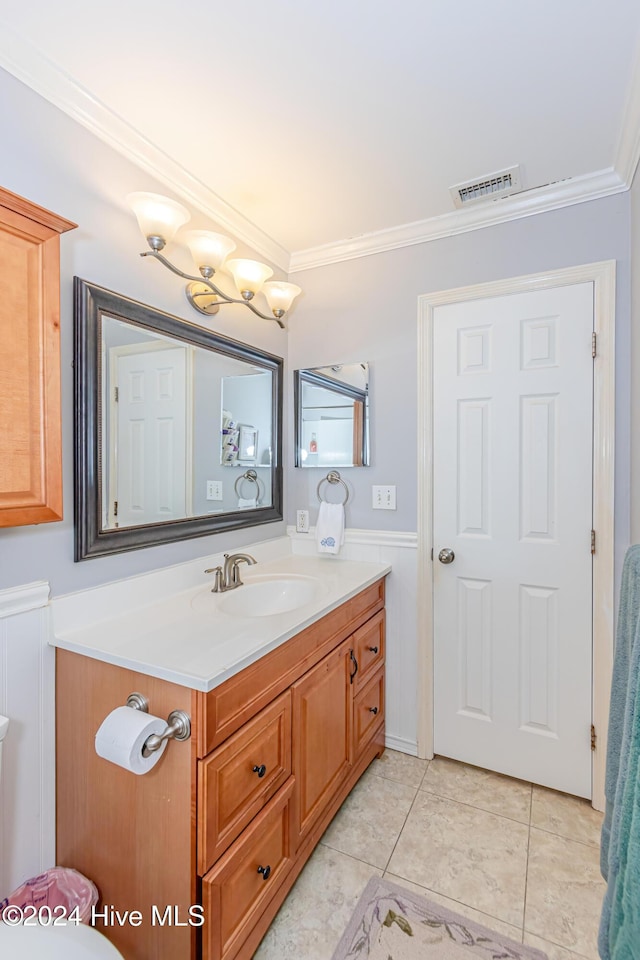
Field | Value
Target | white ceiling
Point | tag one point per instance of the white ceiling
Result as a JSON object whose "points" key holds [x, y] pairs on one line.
{"points": [[319, 122]]}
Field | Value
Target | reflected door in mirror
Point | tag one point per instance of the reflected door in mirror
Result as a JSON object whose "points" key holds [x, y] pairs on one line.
{"points": [[149, 439]]}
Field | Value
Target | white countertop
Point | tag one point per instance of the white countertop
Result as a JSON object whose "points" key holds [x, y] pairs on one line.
{"points": [[198, 645]]}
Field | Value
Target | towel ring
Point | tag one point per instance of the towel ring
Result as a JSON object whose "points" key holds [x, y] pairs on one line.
{"points": [[252, 477], [334, 477]]}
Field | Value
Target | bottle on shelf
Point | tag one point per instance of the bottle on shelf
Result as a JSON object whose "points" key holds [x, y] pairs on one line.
{"points": [[313, 444]]}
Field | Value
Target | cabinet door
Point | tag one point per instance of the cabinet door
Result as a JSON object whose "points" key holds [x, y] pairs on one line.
{"points": [[30, 440], [322, 737]]}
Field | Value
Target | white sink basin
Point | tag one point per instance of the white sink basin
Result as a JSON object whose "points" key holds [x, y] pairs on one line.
{"points": [[263, 596]]}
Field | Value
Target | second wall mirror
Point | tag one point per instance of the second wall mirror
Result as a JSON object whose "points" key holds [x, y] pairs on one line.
{"points": [[178, 429], [332, 415]]}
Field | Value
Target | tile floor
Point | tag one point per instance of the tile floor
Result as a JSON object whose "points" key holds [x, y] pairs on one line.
{"points": [[521, 860]]}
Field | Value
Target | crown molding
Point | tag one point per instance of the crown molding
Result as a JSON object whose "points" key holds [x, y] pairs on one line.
{"points": [[31, 67], [590, 186], [628, 153], [35, 70]]}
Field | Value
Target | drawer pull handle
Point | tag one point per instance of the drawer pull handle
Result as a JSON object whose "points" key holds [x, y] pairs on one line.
{"points": [[260, 770], [373, 710], [265, 871], [373, 649], [355, 667]]}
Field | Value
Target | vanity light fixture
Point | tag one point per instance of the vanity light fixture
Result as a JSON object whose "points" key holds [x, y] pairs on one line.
{"points": [[159, 219]]}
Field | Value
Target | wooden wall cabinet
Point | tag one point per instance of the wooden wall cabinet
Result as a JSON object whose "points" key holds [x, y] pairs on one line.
{"points": [[229, 823], [30, 424]]}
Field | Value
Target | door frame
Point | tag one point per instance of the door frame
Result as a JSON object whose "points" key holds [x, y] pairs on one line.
{"points": [[603, 276]]}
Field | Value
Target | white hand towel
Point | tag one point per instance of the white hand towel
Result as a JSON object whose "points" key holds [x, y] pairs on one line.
{"points": [[330, 527], [244, 503]]}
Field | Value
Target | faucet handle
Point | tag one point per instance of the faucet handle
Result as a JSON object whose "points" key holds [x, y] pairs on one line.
{"points": [[218, 583]]}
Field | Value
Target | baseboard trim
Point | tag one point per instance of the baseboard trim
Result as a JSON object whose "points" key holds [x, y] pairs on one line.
{"points": [[401, 745], [16, 600]]}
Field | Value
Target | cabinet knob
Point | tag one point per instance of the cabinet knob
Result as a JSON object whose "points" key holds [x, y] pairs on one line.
{"points": [[373, 710], [265, 871], [260, 770], [373, 649]]}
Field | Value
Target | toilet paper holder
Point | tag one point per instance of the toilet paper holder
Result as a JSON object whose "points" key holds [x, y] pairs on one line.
{"points": [[178, 725]]}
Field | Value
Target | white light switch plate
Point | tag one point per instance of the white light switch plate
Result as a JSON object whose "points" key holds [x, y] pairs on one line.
{"points": [[214, 489], [384, 498]]}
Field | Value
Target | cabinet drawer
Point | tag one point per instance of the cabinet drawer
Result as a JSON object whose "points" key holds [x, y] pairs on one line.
{"points": [[368, 710], [237, 890], [238, 779], [368, 649]]}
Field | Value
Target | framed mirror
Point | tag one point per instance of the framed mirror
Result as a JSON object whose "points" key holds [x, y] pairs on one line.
{"points": [[178, 431], [332, 416]]}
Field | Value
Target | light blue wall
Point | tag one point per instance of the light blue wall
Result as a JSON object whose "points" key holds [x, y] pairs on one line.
{"points": [[51, 160], [366, 309], [357, 310]]}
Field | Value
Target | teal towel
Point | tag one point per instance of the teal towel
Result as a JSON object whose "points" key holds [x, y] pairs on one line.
{"points": [[619, 937]]}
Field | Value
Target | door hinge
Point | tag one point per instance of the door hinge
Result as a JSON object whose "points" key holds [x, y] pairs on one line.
{"points": [[116, 393], [594, 342], [115, 508], [593, 541], [432, 553], [594, 737]]}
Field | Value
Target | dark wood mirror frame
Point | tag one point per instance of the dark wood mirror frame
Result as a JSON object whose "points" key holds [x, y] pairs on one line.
{"points": [[91, 540]]}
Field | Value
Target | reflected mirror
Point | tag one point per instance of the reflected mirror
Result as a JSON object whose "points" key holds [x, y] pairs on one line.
{"points": [[177, 429], [332, 415]]}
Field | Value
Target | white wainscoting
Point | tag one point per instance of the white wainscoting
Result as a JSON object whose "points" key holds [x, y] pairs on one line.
{"points": [[27, 697], [400, 550]]}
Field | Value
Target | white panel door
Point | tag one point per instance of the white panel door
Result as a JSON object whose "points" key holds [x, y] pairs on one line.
{"points": [[513, 412], [151, 441]]}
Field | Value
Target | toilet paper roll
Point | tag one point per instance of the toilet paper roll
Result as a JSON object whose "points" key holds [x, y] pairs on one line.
{"points": [[121, 738]]}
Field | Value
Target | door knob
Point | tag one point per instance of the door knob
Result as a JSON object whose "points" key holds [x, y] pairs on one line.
{"points": [[446, 555]]}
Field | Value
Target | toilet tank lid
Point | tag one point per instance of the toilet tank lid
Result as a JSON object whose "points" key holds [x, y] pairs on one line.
{"points": [[4, 726]]}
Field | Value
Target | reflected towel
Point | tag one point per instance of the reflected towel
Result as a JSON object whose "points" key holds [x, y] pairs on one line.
{"points": [[330, 527], [620, 850], [244, 503]]}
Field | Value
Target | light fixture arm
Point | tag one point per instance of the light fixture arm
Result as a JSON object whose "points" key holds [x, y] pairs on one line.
{"points": [[212, 287]]}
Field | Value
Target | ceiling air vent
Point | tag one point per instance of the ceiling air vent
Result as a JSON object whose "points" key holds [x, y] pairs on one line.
{"points": [[491, 187]]}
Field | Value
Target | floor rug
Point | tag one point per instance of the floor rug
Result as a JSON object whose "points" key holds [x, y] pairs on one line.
{"points": [[391, 923]]}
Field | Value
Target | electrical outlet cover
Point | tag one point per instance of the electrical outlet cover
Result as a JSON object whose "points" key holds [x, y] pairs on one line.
{"points": [[214, 489], [383, 498]]}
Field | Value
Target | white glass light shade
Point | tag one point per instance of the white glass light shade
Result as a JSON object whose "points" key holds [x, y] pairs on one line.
{"points": [[280, 295], [158, 216], [208, 249], [248, 275]]}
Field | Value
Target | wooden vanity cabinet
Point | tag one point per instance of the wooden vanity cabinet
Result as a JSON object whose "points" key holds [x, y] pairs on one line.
{"points": [[274, 752], [30, 439]]}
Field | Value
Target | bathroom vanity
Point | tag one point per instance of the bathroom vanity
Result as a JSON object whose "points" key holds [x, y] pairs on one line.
{"points": [[287, 712]]}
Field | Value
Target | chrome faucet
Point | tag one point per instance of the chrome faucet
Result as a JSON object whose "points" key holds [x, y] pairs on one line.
{"points": [[228, 577]]}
